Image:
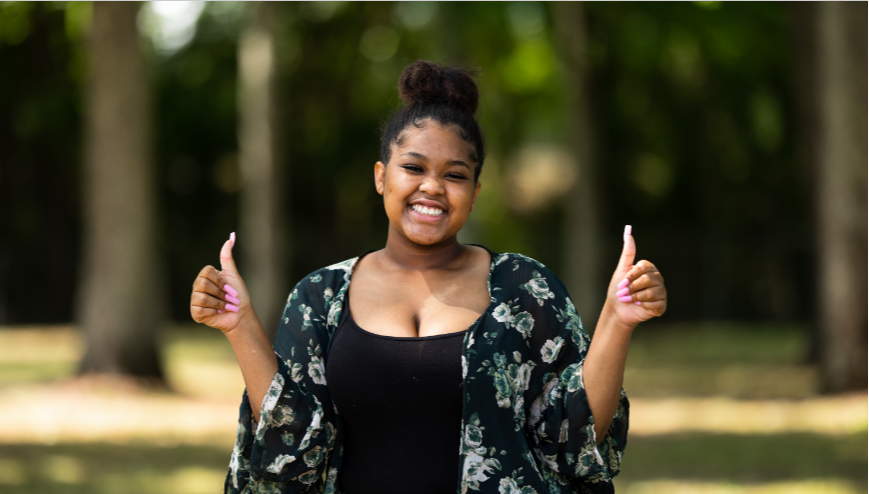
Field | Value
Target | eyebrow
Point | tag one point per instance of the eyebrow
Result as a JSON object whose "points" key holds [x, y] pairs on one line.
{"points": [[422, 157]]}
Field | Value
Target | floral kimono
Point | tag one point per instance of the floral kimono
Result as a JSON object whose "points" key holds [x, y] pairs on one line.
{"points": [[526, 423]]}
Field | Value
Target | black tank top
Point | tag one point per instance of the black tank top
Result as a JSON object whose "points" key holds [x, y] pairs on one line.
{"points": [[400, 401]]}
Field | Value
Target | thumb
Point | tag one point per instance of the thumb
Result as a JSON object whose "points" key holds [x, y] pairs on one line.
{"points": [[629, 251], [227, 263]]}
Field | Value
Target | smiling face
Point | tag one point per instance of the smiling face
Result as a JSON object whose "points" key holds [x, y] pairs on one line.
{"points": [[428, 186]]}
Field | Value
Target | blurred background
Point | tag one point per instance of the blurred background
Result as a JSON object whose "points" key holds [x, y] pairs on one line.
{"points": [[134, 137]]}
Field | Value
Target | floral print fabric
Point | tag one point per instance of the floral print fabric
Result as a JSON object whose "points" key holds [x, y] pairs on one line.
{"points": [[526, 427]]}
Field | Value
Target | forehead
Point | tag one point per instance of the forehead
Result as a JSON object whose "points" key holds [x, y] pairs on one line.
{"points": [[434, 141]]}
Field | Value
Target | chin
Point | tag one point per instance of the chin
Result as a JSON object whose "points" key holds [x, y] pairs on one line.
{"points": [[427, 239], [432, 238]]}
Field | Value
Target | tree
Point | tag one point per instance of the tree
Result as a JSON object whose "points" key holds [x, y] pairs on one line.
{"points": [[582, 236], [262, 237], [120, 298], [840, 178]]}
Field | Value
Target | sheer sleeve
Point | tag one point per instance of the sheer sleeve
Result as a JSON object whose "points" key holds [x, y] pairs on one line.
{"points": [[288, 450], [559, 418]]}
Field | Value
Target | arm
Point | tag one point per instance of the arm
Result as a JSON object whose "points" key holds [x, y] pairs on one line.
{"points": [[255, 357], [220, 299], [636, 293]]}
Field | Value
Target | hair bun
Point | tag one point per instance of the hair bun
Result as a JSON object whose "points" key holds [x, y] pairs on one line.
{"points": [[424, 81]]}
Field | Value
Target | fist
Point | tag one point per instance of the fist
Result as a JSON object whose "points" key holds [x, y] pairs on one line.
{"points": [[220, 298], [636, 292]]}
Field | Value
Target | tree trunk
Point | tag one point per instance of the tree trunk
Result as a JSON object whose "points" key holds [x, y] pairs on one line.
{"points": [[803, 39], [262, 230], [841, 194], [119, 301], [582, 259]]}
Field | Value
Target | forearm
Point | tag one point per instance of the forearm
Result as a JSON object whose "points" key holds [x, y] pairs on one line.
{"points": [[604, 369], [255, 357]]}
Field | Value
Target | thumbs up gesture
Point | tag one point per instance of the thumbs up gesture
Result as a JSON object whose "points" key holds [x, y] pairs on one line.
{"points": [[636, 292], [220, 298]]}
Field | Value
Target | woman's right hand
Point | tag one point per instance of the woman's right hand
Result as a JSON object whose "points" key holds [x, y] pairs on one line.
{"points": [[220, 298]]}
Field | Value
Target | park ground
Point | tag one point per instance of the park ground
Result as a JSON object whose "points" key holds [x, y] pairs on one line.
{"points": [[715, 408]]}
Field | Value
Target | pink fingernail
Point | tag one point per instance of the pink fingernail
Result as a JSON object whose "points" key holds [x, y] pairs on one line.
{"points": [[624, 291], [231, 307], [230, 298], [219, 311], [625, 282], [624, 299], [638, 303], [230, 290], [232, 239], [627, 232]]}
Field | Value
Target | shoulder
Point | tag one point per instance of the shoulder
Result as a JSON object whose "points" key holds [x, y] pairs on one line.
{"points": [[327, 280], [334, 273], [512, 265], [520, 275]]}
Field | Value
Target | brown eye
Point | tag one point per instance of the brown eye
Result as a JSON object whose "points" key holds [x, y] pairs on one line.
{"points": [[412, 168]]}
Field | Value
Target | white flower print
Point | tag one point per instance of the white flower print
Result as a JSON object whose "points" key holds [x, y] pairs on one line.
{"points": [[278, 465], [502, 313], [538, 287], [524, 323], [551, 446], [550, 349], [313, 457], [306, 316], [317, 370]]}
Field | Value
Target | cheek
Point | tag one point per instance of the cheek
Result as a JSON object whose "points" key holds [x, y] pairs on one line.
{"points": [[395, 192], [462, 196]]}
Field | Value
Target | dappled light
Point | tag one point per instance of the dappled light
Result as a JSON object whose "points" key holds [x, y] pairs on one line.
{"points": [[798, 442], [137, 136]]}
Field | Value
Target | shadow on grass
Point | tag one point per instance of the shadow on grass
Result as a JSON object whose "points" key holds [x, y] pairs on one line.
{"points": [[73, 468], [709, 458], [746, 459]]}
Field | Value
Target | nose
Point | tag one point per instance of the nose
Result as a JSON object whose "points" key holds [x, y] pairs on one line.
{"points": [[431, 185]]}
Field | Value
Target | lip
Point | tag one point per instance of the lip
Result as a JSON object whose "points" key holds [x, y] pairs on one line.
{"points": [[428, 203], [424, 217]]}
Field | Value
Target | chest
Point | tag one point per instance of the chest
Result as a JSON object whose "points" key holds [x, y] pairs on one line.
{"points": [[418, 304]]}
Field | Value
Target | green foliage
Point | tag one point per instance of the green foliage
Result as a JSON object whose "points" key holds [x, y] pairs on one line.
{"points": [[693, 116]]}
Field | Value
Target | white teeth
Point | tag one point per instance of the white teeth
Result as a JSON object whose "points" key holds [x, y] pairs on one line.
{"points": [[427, 210]]}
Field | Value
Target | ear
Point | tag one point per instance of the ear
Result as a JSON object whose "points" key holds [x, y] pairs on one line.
{"points": [[379, 176], [476, 193]]}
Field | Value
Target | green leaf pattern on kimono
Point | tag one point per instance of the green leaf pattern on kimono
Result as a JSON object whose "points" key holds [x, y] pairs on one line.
{"points": [[526, 427]]}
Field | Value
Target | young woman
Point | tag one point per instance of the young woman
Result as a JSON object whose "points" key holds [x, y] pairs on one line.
{"points": [[442, 367]]}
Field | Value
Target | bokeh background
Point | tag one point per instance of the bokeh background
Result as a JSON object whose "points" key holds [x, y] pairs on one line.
{"points": [[135, 137]]}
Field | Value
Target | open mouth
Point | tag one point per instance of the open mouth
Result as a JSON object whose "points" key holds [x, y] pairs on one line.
{"points": [[428, 211]]}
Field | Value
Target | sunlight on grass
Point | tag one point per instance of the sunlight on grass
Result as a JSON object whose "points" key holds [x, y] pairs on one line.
{"points": [[200, 363], [823, 415], [195, 480], [715, 408], [99, 414], [821, 486], [11, 472], [64, 469], [38, 353]]}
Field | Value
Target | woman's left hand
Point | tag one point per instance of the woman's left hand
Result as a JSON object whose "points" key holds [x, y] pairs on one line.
{"points": [[636, 292]]}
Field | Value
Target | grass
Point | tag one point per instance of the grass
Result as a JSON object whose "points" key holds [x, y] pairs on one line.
{"points": [[723, 408]]}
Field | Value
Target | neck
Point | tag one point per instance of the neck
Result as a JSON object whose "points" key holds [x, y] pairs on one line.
{"points": [[406, 254]]}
